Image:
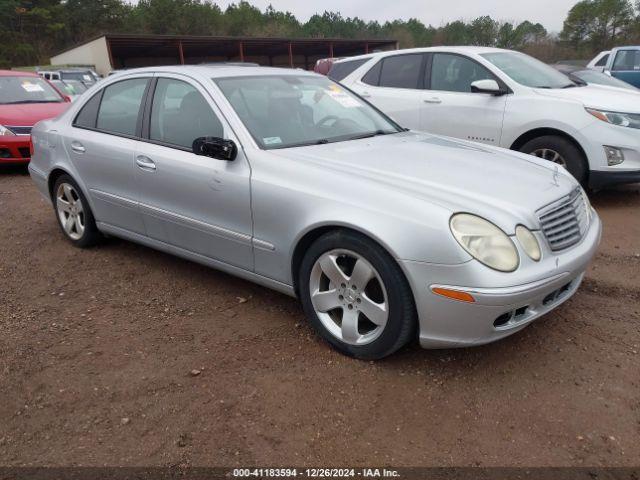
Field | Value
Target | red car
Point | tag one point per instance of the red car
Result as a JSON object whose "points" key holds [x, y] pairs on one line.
{"points": [[25, 99]]}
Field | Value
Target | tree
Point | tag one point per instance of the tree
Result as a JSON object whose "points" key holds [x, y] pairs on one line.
{"points": [[483, 31], [599, 23]]}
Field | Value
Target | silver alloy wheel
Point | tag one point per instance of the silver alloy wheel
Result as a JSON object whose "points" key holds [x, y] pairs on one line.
{"points": [[70, 211], [349, 297], [550, 155]]}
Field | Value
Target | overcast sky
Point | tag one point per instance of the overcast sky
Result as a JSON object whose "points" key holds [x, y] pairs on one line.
{"points": [[551, 13]]}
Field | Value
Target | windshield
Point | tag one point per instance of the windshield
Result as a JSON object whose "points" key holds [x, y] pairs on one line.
{"points": [[69, 87], [291, 110], [27, 90], [75, 87], [84, 77], [599, 78], [528, 71]]}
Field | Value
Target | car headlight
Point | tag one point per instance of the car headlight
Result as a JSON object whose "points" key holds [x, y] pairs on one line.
{"points": [[485, 242], [631, 120], [529, 243], [4, 131], [587, 205]]}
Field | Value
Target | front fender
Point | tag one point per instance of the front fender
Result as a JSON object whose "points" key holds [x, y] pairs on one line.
{"points": [[289, 203]]}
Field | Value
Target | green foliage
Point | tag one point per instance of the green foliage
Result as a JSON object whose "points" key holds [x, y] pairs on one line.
{"points": [[32, 30], [599, 24]]}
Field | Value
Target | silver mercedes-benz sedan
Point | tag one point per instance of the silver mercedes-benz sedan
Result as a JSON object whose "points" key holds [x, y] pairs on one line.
{"points": [[287, 179]]}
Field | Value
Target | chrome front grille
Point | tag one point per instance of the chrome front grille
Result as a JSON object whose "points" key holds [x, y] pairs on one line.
{"points": [[565, 222], [20, 130]]}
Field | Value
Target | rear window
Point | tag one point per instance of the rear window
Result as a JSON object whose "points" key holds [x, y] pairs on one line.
{"points": [[401, 71], [341, 70], [15, 90], [373, 76], [121, 106]]}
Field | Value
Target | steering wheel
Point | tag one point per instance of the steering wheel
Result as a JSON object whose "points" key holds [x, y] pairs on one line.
{"points": [[327, 119]]}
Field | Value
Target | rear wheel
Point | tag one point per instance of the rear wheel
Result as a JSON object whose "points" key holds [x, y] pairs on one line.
{"points": [[559, 150], [73, 213], [356, 296]]}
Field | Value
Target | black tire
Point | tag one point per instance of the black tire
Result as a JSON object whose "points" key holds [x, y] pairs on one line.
{"points": [[573, 157], [91, 235], [402, 317]]}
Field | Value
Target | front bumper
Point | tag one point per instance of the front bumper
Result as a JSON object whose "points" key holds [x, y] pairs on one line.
{"points": [[602, 179], [599, 134], [505, 302], [14, 149]]}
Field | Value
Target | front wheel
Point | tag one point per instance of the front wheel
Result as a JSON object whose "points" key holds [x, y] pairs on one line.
{"points": [[356, 296], [561, 151]]}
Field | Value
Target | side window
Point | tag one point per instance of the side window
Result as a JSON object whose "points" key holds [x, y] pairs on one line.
{"points": [[627, 60], [454, 73], [341, 70], [603, 61], [401, 71], [373, 76], [120, 106], [180, 114], [89, 113]]}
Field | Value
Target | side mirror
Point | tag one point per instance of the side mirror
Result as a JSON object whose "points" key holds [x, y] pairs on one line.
{"points": [[487, 86], [608, 72], [215, 147]]}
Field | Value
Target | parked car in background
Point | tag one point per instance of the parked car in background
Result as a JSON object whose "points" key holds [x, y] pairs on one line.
{"points": [[25, 99], [624, 63], [508, 99], [71, 88], [593, 77], [599, 62], [85, 76], [286, 178]]}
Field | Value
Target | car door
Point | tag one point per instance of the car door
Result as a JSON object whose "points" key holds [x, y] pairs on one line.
{"points": [[101, 143], [452, 109], [394, 85], [193, 202], [625, 65]]}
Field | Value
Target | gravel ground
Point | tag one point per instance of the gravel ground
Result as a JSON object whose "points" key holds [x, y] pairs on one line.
{"points": [[121, 355]]}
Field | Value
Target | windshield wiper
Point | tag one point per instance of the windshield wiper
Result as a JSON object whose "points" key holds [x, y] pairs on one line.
{"points": [[370, 135], [321, 141], [31, 101]]}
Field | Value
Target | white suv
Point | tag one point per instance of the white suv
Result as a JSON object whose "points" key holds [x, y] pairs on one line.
{"points": [[507, 99]]}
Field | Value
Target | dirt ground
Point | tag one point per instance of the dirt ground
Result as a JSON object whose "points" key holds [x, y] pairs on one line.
{"points": [[97, 349]]}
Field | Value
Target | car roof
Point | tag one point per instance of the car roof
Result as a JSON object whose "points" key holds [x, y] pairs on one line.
{"points": [[460, 49], [628, 47], [217, 71], [16, 73]]}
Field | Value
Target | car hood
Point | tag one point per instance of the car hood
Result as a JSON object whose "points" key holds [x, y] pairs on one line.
{"points": [[595, 96], [503, 186], [28, 114]]}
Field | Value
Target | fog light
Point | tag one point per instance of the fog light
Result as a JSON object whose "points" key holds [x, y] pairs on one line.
{"points": [[615, 156], [5, 153]]}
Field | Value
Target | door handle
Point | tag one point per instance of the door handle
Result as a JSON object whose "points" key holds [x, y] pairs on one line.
{"points": [[145, 163], [365, 95], [434, 100], [77, 147]]}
